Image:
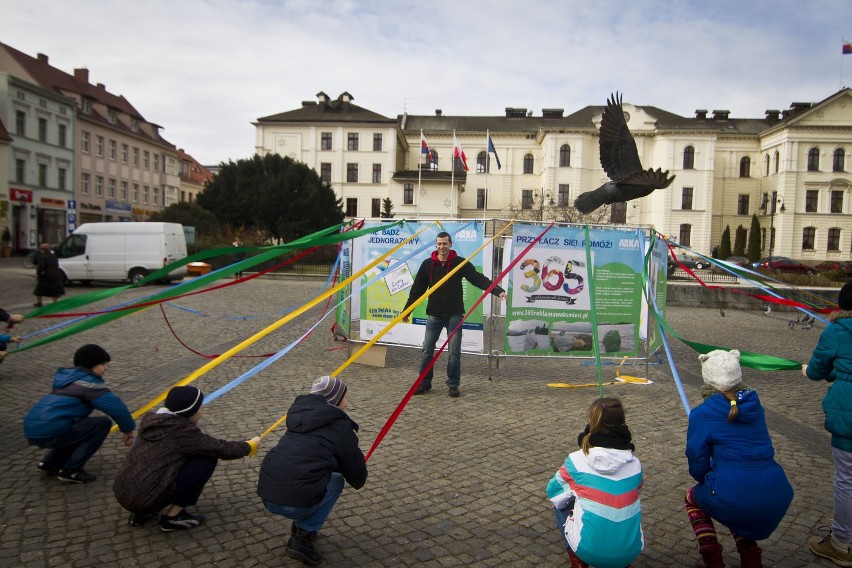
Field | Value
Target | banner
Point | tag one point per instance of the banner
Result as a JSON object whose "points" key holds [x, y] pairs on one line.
{"points": [[656, 290], [550, 302], [343, 312], [382, 301]]}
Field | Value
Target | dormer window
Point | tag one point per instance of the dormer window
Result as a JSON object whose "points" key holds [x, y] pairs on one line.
{"points": [[112, 115], [86, 106], [134, 125]]}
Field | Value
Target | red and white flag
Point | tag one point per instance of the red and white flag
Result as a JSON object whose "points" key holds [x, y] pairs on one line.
{"points": [[458, 153]]}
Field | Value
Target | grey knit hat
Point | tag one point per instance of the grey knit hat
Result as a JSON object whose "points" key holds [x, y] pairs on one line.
{"points": [[721, 369], [331, 388]]}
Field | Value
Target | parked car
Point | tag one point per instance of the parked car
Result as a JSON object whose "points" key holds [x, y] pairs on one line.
{"points": [[834, 266], [765, 259], [787, 265], [739, 261], [690, 261]]}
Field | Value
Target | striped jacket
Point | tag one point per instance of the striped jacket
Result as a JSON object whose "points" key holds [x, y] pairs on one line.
{"points": [[605, 527]]}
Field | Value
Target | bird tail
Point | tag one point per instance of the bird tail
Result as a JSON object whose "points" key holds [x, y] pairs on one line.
{"points": [[588, 202]]}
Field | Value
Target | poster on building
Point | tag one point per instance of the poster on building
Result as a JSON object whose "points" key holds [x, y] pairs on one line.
{"points": [[383, 299], [550, 299]]}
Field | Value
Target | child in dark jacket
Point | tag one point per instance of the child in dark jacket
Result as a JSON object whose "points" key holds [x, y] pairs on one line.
{"points": [[731, 457], [60, 421], [6, 338], [172, 461], [302, 477]]}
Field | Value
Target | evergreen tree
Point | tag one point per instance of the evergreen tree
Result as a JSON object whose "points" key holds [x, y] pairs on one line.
{"points": [[754, 239], [725, 245], [740, 241], [387, 208]]}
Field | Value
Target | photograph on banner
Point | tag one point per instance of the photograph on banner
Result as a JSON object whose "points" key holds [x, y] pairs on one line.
{"points": [[384, 299], [550, 300]]}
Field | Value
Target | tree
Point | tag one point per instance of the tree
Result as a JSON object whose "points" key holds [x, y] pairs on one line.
{"points": [[740, 241], [754, 239], [276, 195], [387, 208], [565, 213], [725, 245], [191, 215]]}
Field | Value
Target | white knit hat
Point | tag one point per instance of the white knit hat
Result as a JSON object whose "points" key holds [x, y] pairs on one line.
{"points": [[721, 369]]}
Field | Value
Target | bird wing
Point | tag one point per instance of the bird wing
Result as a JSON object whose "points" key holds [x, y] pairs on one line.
{"points": [[619, 156], [649, 179]]}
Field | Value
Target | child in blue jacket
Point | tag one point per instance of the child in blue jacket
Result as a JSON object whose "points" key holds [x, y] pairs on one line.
{"points": [[60, 421], [731, 457]]}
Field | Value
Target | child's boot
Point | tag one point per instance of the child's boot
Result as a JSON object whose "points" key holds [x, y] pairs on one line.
{"points": [[301, 547], [575, 560], [711, 554], [749, 554]]}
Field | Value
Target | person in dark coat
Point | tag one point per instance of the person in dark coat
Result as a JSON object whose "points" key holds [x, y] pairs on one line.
{"points": [[445, 307], [302, 477], [60, 421], [50, 281], [172, 461]]}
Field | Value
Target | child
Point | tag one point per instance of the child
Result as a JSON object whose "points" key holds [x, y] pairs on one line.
{"points": [[832, 361], [302, 477], [731, 457], [171, 462], [595, 494], [5, 338], [60, 421]]}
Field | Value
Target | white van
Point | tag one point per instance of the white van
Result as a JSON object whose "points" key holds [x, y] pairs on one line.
{"points": [[121, 251]]}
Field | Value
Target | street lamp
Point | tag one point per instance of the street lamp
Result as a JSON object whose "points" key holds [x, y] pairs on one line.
{"points": [[770, 204], [543, 197]]}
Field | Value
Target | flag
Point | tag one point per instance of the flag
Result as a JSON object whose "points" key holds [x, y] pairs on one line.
{"points": [[847, 48], [424, 147], [458, 153], [492, 150]]}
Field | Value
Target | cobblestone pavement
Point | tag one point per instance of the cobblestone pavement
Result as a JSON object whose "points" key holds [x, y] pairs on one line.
{"points": [[457, 482]]}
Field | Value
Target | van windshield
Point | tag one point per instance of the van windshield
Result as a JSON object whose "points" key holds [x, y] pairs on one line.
{"points": [[74, 245]]}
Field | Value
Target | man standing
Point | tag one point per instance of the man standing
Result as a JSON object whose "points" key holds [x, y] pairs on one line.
{"points": [[445, 308]]}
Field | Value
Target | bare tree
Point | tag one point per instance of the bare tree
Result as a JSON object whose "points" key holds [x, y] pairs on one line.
{"points": [[547, 211]]}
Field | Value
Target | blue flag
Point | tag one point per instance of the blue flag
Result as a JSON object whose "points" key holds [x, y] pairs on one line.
{"points": [[492, 150]]}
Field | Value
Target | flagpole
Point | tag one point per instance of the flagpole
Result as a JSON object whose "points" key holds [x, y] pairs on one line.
{"points": [[487, 160], [453, 173], [419, 174]]}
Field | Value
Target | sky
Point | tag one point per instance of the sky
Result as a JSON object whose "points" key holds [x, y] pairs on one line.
{"points": [[204, 70]]}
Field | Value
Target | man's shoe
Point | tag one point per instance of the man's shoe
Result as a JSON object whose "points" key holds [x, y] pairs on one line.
{"points": [[454, 392], [76, 476], [423, 389], [180, 522], [46, 469], [829, 547]]}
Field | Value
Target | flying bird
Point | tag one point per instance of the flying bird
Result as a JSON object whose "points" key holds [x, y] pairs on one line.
{"points": [[620, 161]]}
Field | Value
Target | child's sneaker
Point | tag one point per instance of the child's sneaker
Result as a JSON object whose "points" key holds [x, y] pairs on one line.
{"points": [[76, 476], [135, 520], [180, 522], [829, 547], [46, 469]]}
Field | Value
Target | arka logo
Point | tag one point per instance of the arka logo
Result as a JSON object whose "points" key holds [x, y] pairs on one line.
{"points": [[628, 243], [468, 234]]}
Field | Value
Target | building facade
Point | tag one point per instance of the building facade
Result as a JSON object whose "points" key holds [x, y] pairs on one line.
{"points": [[789, 168], [193, 178]]}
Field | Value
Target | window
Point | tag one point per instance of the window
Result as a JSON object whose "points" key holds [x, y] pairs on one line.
{"points": [[113, 149], [526, 199], [562, 196], [84, 184], [742, 204], [352, 141], [686, 198], [99, 186], [481, 162], [377, 142], [352, 173], [42, 175], [155, 196], [145, 192], [376, 207], [351, 206], [480, 198], [134, 125], [777, 160], [408, 194], [766, 165], [135, 157], [745, 166], [432, 161], [20, 123], [99, 146], [529, 162], [808, 238], [42, 130], [62, 135], [811, 200], [135, 193], [565, 156], [111, 189], [60, 178], [833, 239], [20, 171], [124, 191], [688, 158], [86, 106], [837, 202], [124, 150], [618, 212], [325, 141], [377, 173], [837, 163], [685, 235], [146, 159], [813, 160], [112, 116], [156, 167], [325, 172], [84, 141]]}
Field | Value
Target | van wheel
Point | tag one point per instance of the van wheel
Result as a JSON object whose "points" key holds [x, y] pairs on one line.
{"points": [[86, 282], [65, 282], [137, 274]]}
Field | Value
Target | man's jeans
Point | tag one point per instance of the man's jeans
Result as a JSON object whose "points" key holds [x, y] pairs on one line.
{"points": [[311, 519], [434, 325], [73, 448]]}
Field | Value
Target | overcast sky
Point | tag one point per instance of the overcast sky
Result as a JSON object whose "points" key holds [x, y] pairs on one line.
{"points": [[205, 69]]}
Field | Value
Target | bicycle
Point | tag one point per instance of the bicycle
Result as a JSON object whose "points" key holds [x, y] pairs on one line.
{"points": [[29, 260]]}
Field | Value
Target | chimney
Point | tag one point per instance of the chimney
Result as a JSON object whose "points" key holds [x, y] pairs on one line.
{"points": [[512, 112], [701, 114], [82, 75], [307, 103], [101, 86], [552, 112], [438, 112], [721, 114], [42, 58], [772, 115]]}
